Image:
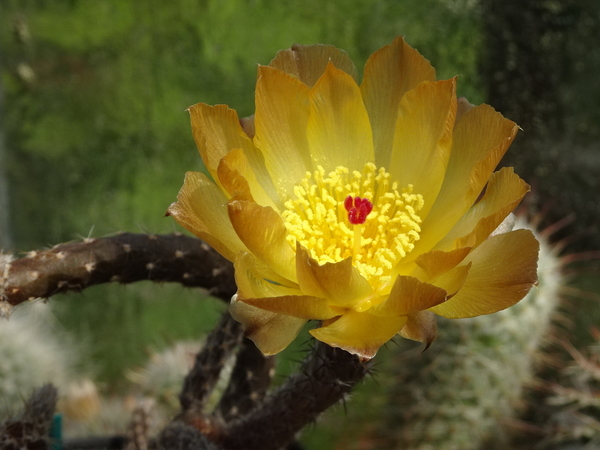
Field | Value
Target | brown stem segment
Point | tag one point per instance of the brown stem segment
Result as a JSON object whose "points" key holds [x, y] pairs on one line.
{"points": [[124, 258], [250, 379], [202, 378], [325, 378]]}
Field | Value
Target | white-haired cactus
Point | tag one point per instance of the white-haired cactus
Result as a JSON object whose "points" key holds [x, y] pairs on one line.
{"points": [[461, 392], [161, 376], [31, 354]]}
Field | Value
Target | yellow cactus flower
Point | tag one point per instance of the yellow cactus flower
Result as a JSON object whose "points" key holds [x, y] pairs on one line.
{"points": [[367, 207]]}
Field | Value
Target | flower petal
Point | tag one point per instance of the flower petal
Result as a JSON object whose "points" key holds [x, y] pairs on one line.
{"points": [[254, 279], [409, 295], [201, 208], [339, 282], [247, 124], [504, 268], [422, 327], [217, 130], [261, 229], [462, 106], [302, 306], [453, 280], [339, 133], [423, 138], [270, 332], [359, 333], [238, 179], [308, 62], [435, 263], [503, 193], [480, 139], [282, 110], [389, 73]]}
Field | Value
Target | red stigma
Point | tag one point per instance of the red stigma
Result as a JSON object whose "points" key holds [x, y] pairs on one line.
{"points": [[358, 209]]}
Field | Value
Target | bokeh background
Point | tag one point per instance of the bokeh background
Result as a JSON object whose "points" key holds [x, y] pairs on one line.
{"points": [[94, 137]]}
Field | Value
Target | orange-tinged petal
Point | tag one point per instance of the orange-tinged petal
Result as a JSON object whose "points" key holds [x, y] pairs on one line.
{"points": [[282, 110], [422, 327], [423, 138], [503, 193], [247, 124], [389, 73], [504, 268], [201, 208], [360, 333], [480, 139], [238, 179], [217, 130], [339, 133], [409, 295], [302, 306], [270, 332], [339, 282], [437, 262], [453, 280], [308, 62], [254, 278], [261, 229], [462, 106]]}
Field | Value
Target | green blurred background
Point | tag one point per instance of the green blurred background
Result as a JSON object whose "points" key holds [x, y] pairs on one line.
{"points": [[94, 137]]}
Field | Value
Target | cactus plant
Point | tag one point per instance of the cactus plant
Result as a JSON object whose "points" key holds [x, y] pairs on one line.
{"points": [[31, 354], [460, 393]]}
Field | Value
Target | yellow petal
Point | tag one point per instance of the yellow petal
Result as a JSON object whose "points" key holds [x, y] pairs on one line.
{"points": [[261, 229], [504, 268], [339, 282], [217, 130], [270, 332], [359, 333], [423, 138], [201, 208], [308, 62], [481, 137], [302, 306], [422, 327], [462, 106], [437, 262], [503, 193], [409, 295], [238, 179], [282, 110], [254, 278], [247, 124], [453, 280], [389, 73], [339, 133]]}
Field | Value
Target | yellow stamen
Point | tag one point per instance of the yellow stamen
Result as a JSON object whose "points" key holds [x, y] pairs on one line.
{"points": [[357, 240], [315, 216]]}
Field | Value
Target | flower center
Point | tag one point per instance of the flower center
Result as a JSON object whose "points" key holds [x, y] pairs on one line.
{"points": [[362, 215]]}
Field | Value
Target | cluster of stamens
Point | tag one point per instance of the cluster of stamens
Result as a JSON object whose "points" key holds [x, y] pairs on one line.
{"points": [[359, 215]]}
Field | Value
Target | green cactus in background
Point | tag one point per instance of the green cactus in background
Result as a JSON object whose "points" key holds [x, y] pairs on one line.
{"points": [[462, 391]]}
